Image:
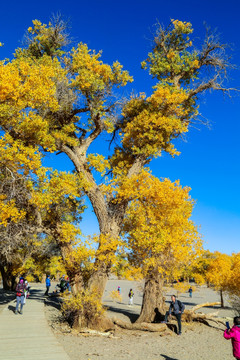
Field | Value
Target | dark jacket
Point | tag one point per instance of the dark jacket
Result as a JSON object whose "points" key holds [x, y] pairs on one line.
{"points": [[176, 307]]}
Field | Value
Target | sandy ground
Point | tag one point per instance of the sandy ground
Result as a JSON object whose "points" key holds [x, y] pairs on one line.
{"points": [[196, 342]]}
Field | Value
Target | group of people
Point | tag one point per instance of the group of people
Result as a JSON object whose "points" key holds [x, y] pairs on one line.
{"points": [[176, 308], [22, 293], [64, 284], [130, 295]]}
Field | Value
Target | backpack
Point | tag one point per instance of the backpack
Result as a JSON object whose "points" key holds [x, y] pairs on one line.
{"points": [[181, 305]]}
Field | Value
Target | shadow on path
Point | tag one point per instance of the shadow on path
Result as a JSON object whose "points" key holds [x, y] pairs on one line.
{"points": [[53, 301], [11, 308], [6, 296], [132, 316], [37, 294], [167, 357]]}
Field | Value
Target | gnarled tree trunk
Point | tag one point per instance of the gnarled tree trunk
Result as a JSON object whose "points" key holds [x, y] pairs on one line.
{"points": [[153, 305], [9, 281]]}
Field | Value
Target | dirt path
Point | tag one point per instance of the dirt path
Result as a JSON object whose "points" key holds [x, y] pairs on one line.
{"points": [[198, 342], [28, 336]]}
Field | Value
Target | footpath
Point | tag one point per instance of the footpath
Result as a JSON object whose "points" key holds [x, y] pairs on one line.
{"points": [[28, 336]]}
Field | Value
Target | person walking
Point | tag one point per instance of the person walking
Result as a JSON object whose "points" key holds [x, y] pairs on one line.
{"points": [[20, 295], [190, 290], [130, 295], [234, 334], [26, 292], [48, 284], [176, 308]]}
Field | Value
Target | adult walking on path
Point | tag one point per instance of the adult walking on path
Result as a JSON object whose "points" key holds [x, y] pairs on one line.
{"points": [[28, 337], [48, 284], [20, 296]]}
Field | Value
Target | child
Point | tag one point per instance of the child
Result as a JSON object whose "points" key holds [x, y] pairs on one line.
{"points": [[234, 334]]}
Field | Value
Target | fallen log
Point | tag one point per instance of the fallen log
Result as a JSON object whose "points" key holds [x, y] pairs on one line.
{"points": [[190, 315], [140, 326], [96, 333], [199, 306]]}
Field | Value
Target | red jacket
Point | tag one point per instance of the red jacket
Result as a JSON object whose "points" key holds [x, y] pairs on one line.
{"points": [[234, 334]]}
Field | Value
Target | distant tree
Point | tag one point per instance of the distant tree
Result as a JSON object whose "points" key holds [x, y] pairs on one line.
{"points": [[219, 273]]}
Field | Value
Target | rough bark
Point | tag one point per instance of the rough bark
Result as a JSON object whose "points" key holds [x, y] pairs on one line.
{"points": [[153, 305], [140, 326], [8, 280], [73, 272]]}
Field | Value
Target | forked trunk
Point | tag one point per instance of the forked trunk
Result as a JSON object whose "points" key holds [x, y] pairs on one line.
{"points": [[153, 305]]}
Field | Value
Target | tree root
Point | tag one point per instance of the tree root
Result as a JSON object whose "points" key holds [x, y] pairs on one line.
{"points": [[190, 315]]}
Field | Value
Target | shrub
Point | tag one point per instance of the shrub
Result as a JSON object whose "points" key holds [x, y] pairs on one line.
{"points": [[82, 309]]}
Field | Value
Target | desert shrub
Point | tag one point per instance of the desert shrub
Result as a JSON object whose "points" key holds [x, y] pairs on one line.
{"points": [[115, 296], [82, 308]]}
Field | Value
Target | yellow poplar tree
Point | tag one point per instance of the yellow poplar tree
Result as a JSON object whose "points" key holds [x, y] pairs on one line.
{"points": [[65, 102], [160, 235], [219, 273]]}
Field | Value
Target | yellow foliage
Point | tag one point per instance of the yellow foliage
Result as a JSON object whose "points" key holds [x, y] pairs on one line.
{"points": [[115, 296], [86, 304], [9, 212], [99, 163], [92, 74], [181, 287], [160, 234], [219, 271], [199, 279]]}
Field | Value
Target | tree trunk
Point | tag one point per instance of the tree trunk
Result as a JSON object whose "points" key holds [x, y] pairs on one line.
{"points": [[73, 270], [109, 231], [221, 296], [8, 280], [153, 305]]}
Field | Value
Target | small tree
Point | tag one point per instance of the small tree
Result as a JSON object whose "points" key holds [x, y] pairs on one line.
{"points": [[219, 273], [160, 235]]}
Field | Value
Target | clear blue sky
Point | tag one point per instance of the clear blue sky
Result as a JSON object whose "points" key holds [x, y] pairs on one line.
{"points": [[209, 160]]}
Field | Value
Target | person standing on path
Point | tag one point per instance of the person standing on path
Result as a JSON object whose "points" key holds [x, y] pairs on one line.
{"points": [[234, 334], [176, 308], [26, 292], [130, 295], [20, 292], [48, 284], [190, 290]]}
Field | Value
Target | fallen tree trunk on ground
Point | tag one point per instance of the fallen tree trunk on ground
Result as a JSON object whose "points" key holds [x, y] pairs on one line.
{"points": [[199, 306], [190, 315], [140, 326]]}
